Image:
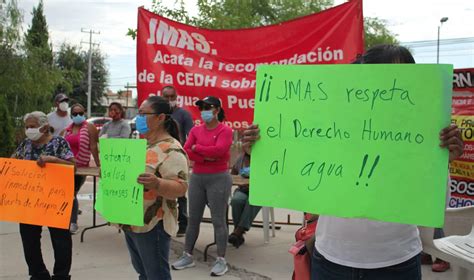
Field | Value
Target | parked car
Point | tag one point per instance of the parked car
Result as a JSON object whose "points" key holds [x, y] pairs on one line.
{"points": [[133, 126], [99, 122]]}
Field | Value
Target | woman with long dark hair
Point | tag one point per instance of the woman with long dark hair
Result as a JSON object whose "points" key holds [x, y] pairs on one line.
{"points": [[363, 248], [164, 181], [208, 145]]}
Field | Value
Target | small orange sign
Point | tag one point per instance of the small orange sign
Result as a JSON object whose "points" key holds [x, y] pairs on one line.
{"points": [[33, 195]]}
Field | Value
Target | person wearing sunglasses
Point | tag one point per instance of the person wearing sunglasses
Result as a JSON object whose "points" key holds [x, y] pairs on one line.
{"points": [[208, 145], [82, 138]]}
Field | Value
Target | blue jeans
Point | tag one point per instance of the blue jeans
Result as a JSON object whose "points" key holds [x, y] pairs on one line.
{"points": [[322, 269], [243, 213], [149, 252]]}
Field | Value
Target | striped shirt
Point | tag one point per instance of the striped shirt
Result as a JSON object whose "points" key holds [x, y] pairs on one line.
{"points": [[80, 144]]}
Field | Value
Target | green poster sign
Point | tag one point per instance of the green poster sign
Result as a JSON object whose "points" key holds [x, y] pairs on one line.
{"points": [[357, 141], [120, 197]]}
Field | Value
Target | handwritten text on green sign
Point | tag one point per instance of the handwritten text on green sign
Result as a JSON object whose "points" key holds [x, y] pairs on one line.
{"points": [[121, 198], [353, 140]]}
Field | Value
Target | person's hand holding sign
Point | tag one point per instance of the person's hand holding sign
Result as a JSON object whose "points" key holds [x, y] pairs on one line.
{"points": [[251, 134], [451, 138], [149, 181], [42, 160], [169, 188]]}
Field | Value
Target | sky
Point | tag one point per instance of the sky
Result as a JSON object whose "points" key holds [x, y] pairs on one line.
{"points": [[411, 20]]}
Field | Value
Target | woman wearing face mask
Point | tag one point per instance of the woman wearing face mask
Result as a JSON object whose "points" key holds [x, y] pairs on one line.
{"points": [[208, 145], [82, 138], [117, 127], [164, 180], [43, 147], [243, 213]]}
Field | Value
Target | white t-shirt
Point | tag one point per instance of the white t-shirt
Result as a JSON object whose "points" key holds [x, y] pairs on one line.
{"points": [[363, 243], [58, 123]]}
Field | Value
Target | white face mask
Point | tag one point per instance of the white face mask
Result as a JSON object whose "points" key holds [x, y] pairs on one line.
{"points": [[173, 104], [33, 133], [63, 106]]}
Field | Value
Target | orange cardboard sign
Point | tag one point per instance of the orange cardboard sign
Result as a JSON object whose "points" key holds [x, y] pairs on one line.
{"points": [[33, 195]]}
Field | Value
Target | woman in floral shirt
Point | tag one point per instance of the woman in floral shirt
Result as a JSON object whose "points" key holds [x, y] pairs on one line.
{"points": [[43, 147], [164, 181]]}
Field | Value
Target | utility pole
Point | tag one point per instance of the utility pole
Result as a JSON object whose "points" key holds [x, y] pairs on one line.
{"points": [[128, 87], [441, 21], [89, 74]]}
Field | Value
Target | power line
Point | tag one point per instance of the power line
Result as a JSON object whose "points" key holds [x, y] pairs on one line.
{"points": [[444, 55], [119, 78], [121, 85], [445, 50], [431, 43], [89, 76], [442, 40]]}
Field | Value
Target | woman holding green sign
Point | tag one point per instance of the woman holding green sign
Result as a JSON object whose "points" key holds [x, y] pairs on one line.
{"points": [[365, 249], [164, 181]]}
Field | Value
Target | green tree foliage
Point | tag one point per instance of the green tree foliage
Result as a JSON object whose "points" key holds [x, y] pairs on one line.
{"points": [[10, 23], [377, 33], [234, 14], [244, 14], [73, 62], [10, 28], [27, 79], [6, 129], [38, 77], [37, 36]]}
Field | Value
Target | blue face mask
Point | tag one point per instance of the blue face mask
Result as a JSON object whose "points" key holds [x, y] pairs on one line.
{"points": [[245, 172], [141, 125], [207, 116], [78, 119]]}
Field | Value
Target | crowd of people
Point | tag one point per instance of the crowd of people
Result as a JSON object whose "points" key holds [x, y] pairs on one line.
{"points": [[343, 248]]}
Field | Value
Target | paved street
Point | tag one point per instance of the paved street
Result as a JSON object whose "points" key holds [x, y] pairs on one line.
{"points": [[104, 255]]}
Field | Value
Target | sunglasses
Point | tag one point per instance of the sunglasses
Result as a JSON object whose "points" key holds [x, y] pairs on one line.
{"points": [[206, 107], [74, 114]]}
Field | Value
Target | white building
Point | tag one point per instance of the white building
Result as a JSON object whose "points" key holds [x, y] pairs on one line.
{"points": [[123, 97]]}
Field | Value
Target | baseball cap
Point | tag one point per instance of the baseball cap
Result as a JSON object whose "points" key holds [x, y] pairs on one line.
{"points": [[61, 97], [209, 100]]}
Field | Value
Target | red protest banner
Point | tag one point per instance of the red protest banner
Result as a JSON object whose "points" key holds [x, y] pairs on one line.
{"points": [[462, 170], [201, 62]]}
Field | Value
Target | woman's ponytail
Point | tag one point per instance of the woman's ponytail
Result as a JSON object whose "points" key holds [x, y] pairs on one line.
{"points": [[162, 106], [172, 127], [221, 115]]}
